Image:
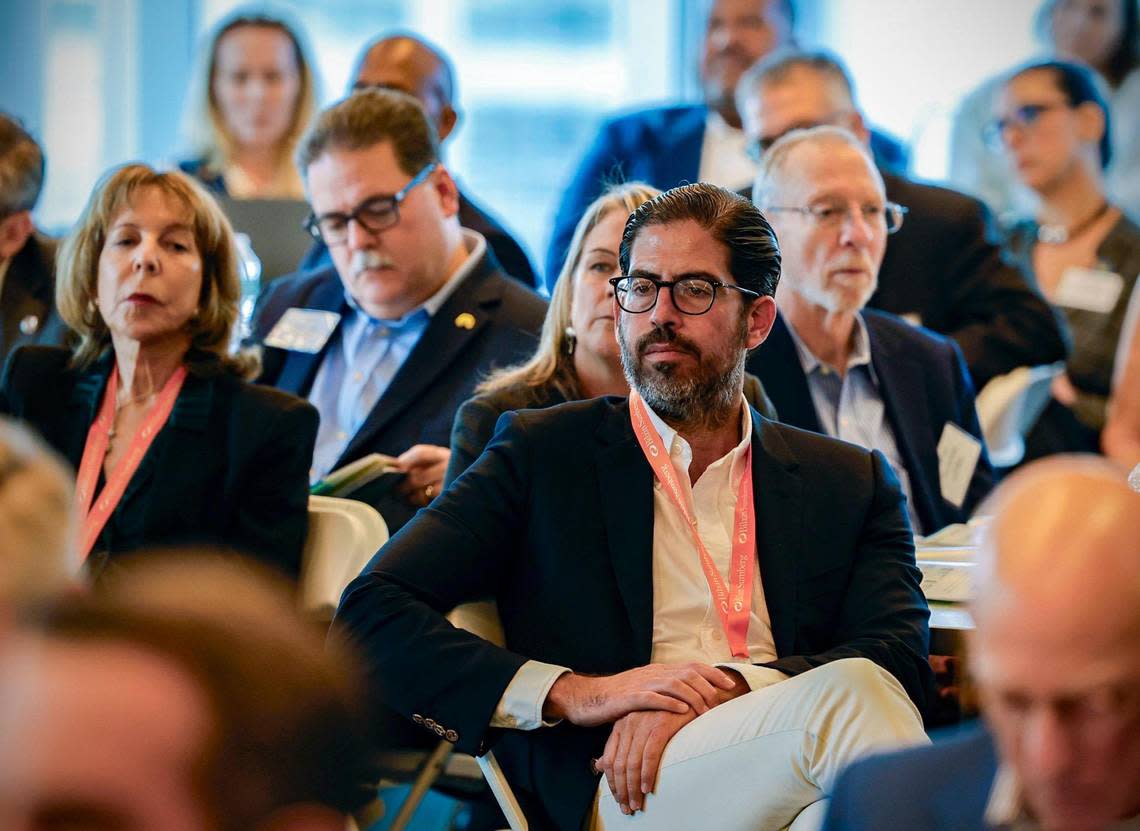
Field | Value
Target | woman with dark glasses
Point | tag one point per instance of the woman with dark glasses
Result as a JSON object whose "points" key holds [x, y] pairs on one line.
{"points": [[1053, 124]]}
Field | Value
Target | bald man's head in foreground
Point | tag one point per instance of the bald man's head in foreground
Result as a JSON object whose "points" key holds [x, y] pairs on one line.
{"points": [[413, 66], [1056, 649]]}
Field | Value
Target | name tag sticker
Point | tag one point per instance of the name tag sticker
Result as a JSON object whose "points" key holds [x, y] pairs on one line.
{"points": [[958, 454], [1090, 289], [303, 330]]}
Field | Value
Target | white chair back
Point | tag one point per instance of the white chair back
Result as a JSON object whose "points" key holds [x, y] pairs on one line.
{"points": [[482, 618], [1009, 405], [343, 536]]}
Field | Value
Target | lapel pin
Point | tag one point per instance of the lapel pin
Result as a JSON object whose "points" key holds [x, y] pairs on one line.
{"points": [[29, 325], [465, 320]]}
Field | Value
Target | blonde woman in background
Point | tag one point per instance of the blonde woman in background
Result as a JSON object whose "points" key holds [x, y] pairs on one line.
{"points": [[578, 355], [251, 97]]}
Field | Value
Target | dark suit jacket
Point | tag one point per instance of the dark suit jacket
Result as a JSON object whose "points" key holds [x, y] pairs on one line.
{"points": [[440, 373], [660, 146], [475, 421], [924, 385], [230, 468], [29, 295], [939, 787], [945, 265], [555, 522]]}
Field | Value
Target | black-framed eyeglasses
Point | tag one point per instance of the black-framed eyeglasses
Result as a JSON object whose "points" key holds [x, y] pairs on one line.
{"points": [[691, 295], [374, 215], [832, 215], [1025, 116]]}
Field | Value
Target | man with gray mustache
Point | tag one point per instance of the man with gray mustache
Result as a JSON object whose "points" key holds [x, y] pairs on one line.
{"points": [[389, 341], [861, 375]]}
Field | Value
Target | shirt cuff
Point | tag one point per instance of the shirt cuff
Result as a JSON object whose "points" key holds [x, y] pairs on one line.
{"points": [[756, 677], [520, 708]]}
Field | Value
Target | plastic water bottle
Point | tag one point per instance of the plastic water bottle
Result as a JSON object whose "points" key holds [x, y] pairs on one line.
{"points": [[1134, 478], [250, 274]]}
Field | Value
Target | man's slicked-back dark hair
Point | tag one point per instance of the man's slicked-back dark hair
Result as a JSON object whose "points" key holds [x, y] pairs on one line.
{"points": [[733, 221]]}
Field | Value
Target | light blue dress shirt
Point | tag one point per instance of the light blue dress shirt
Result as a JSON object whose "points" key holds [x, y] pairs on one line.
{"points": [[363, 357], [850, 406]]}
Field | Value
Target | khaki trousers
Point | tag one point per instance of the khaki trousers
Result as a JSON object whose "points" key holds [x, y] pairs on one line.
{"points": [[756, 762]]}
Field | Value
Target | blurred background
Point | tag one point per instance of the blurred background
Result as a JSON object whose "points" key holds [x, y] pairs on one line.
{"points": [[103, 81]]}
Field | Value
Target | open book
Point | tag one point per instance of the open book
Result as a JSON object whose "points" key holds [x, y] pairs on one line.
{"points": [[345, 480]]}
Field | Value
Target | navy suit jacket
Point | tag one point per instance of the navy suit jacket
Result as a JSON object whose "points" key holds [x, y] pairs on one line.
{"points": [[924, 385], [438, 375], [229, 468], [555, 522], [940, 787], [27, 299], [660, 146]]}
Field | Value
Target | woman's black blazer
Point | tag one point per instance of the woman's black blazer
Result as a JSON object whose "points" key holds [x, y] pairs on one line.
{"points": [[230, 468]]}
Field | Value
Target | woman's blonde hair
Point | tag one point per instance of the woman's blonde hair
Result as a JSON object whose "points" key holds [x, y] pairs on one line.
{"points": [[203, 127], [553, 363], [77, 267]]}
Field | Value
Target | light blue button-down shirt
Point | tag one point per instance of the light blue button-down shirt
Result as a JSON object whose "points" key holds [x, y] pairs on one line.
{"points": [[850, 406], [363, 357]]}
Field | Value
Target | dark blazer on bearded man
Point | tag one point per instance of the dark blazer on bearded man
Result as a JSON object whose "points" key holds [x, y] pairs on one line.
{"points": [[555, 522], [924, 385], [439, 374], [476, 419], [660, 146], [27, 298], [229, 468], [940, 787]]}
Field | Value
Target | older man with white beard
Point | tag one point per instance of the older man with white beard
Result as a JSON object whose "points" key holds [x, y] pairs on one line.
{"points": [[390, 341], [835, 367]]}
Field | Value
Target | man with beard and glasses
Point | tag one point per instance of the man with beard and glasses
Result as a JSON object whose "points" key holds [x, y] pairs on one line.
{"points": [[671, 145], [706, 614], [838, 368], [389, 341]]}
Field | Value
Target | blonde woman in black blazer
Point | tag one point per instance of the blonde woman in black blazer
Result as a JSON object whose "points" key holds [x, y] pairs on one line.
{"points": [[172, 444]]}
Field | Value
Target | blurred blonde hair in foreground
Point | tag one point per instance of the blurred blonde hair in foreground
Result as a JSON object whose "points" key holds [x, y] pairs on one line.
{"points": [[36, 512]]}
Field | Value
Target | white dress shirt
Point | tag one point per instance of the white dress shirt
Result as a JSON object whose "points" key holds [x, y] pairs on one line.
{"points": [[686, 626], [724, 160]]}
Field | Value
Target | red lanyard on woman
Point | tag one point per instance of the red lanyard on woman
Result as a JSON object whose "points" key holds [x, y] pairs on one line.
{"points": [[734, 606], [92, 517]]}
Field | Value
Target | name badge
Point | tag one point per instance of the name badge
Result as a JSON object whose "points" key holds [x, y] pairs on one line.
{"points": [[958, 454], [1090, 289], [303, 330]]}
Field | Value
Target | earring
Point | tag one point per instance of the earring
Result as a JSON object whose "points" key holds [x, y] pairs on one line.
{"points": [[571, 339]]}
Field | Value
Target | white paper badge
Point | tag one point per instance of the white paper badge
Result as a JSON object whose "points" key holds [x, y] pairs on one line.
{"points": [[1091, 289], [303, 330], [958, 454]]}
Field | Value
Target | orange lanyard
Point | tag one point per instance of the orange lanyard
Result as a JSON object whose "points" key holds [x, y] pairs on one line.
{"points": [[733, 605], [93, 517]]}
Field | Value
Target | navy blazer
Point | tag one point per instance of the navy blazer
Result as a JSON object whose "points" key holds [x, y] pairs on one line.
{"points": [[924, 385], [229, 468], [555, 522], [660, 146], [940, 787], [27, 299], [438, 375]]}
